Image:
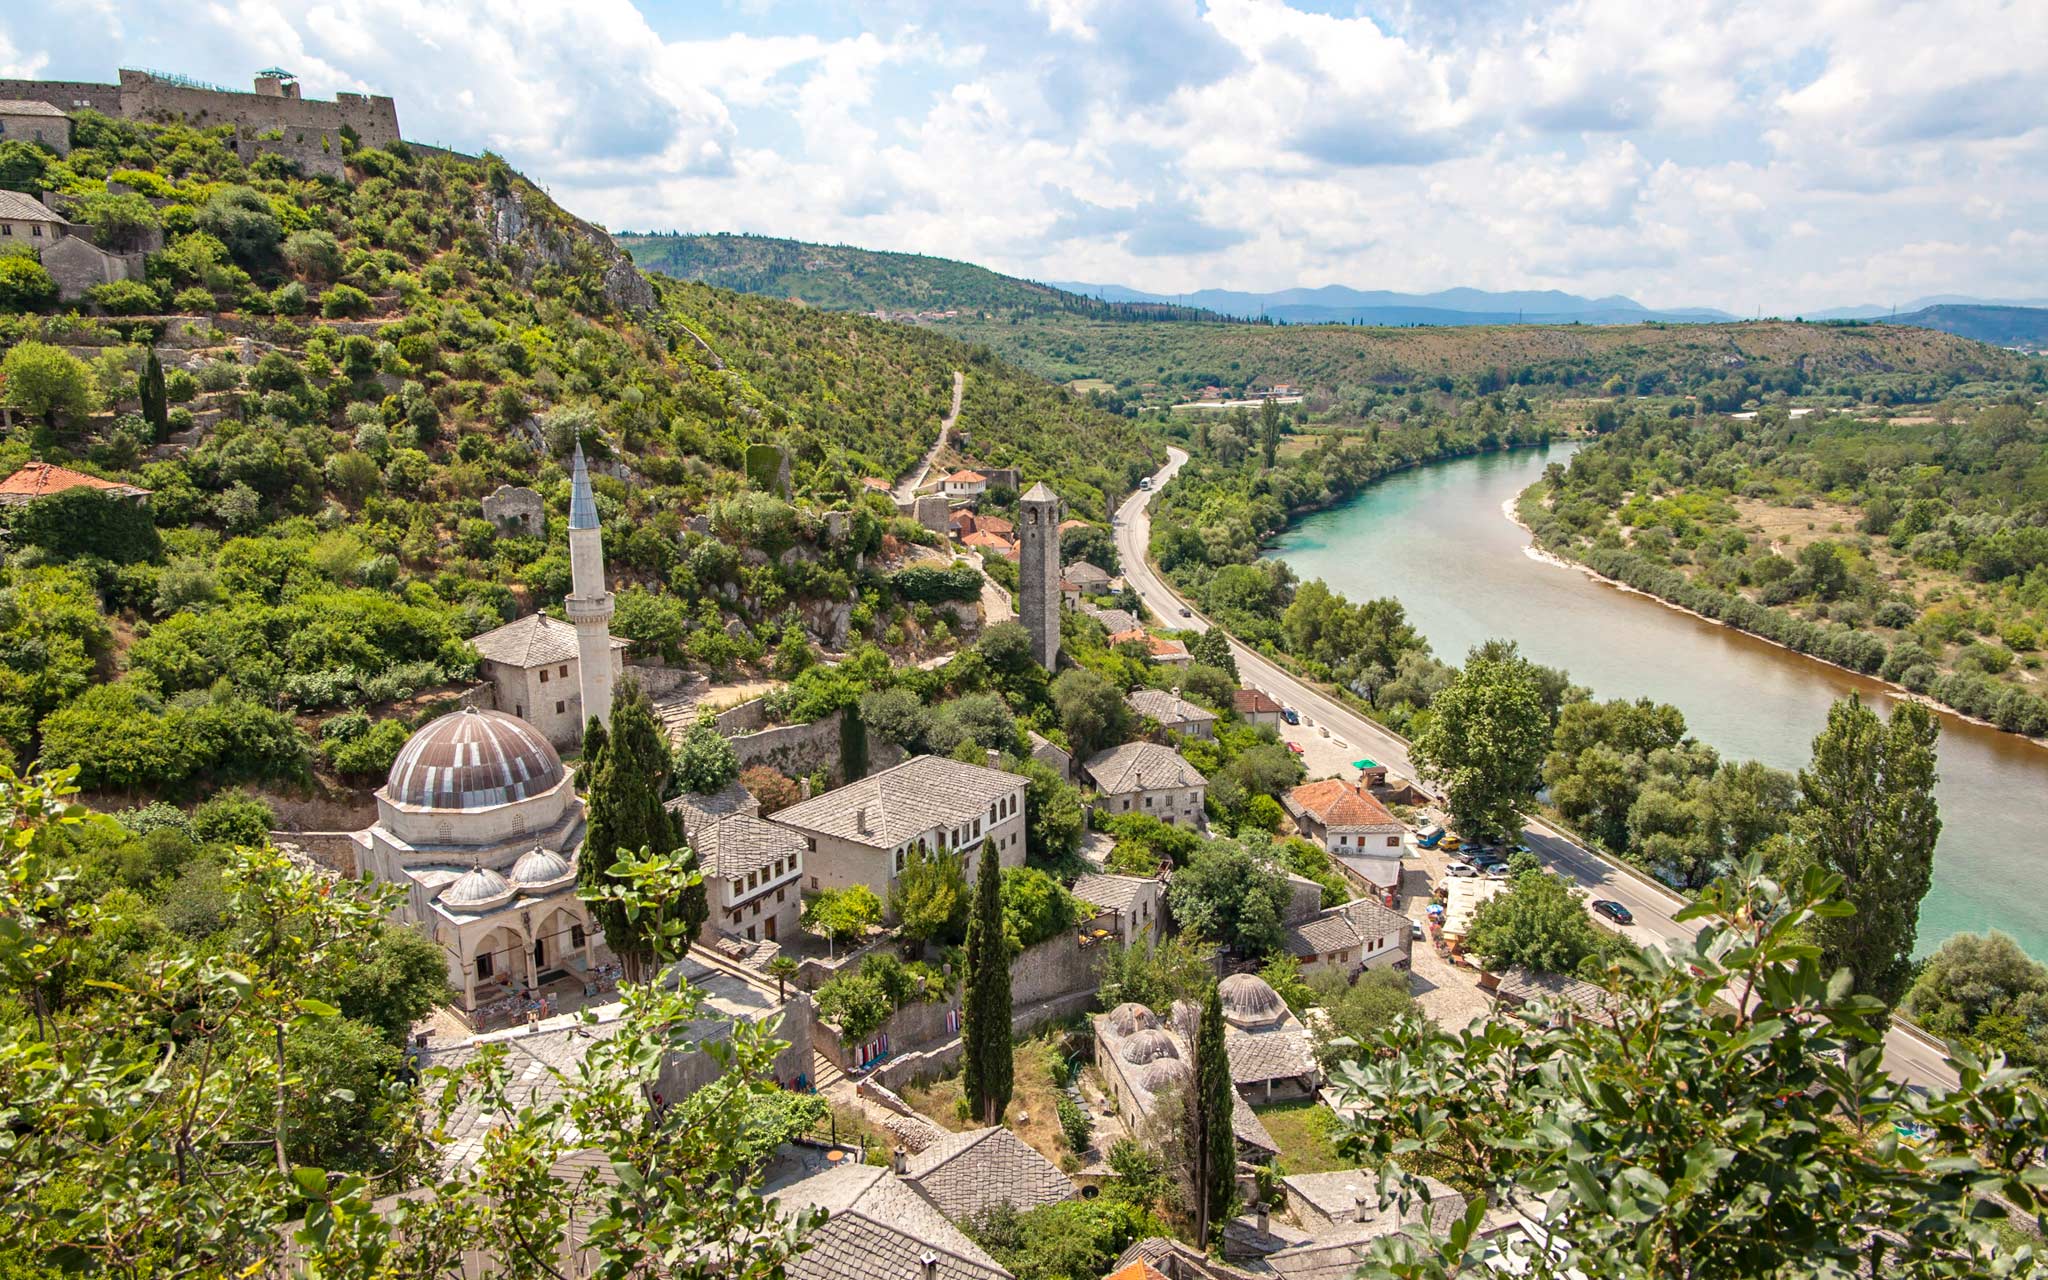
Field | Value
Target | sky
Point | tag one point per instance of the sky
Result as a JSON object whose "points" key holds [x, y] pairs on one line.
{"points": [[1742, 154]]}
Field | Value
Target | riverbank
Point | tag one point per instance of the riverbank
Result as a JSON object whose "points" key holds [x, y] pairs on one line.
{"points": [[1513, 509]]}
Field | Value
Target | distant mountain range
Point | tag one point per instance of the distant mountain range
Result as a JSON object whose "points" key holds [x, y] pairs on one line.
{"points": [[1922, 304], [1335, 304]]}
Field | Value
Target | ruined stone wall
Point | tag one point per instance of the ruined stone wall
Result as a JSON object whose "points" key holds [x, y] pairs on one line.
{"points": [[375, 119], [318, 156], [66, 95]]}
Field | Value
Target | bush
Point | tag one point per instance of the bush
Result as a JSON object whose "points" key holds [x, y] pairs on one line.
{"points": [[856, 1002], [345, 302], [233, 817], [370, 753], [1075, 1125], [926, 584], [24, 285], [124, 298]]}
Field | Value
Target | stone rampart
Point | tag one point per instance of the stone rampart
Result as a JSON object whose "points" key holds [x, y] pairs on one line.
{"points": [[335, 850], [318, 156]]}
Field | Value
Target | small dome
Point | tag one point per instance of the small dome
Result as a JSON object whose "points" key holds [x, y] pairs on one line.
{"points": [[1149, 1045], [1128, 1018], [540, 866], [478, 887], [1167, 1073], [1247, 998], [472, 759]]}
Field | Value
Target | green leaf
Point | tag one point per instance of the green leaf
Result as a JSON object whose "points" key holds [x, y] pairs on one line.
{"points": [[318, 1008]]}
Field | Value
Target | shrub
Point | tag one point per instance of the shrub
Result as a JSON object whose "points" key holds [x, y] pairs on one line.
{"points": [[24, 285], [233, 817], [345, 302]]}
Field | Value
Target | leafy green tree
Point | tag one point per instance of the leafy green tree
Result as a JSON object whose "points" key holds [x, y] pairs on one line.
{"points": [[898, 716], [1053, 821], [22, 166], [46, 381], [1091, 710], [624, 814], [857, 1002], [844, 915], [24, 284], [1212, 648], [233, 817], [1063, 1241], [1541, 922], [929, 897], [1157, 974], [1739, 1053], [987, 1068], [89, 522], [1269, 430], [241, 219], [1035, 907], [1485, 739], [1229, 897], [1867, 814], [705, 762], [1360, 1010], [1211, 1141], [403, 978], [1981, 988]]}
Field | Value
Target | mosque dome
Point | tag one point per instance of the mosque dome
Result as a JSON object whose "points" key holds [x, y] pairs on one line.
{"points": [[1156, 1077], [477, 887], [539, 867], [1247, 997], [1130, 1017], [472, 759], [1148, 1046]]}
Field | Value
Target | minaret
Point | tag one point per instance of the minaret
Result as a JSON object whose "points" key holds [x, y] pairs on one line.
{"points": [[1038, 563], [589, 605]]}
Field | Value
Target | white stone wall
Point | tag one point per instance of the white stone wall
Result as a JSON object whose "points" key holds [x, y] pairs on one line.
{"points": [[1182, 806]]}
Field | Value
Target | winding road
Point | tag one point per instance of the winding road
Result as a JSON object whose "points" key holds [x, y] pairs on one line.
{"points": [[1911, 1056], [906, 488]]}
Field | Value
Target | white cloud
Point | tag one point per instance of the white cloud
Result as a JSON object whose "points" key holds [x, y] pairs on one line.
{"points": [[1718, 153]]}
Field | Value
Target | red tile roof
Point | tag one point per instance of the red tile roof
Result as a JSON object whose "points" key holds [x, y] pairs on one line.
{"points": [[1337, 803], [41, 479], [1251, 702], [967, 477]]}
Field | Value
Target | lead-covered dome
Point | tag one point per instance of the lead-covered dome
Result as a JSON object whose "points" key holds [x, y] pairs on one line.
{"points": [[1149, 1046], [1246, 997], [473, 759], [477, 887], [1130, 1017], [540, 867], [1163, 1074]]}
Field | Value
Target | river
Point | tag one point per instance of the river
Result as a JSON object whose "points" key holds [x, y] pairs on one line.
{"points": [[1436, 538]]}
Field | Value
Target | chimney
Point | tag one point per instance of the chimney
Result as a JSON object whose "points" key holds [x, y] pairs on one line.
{"points": [[995, 759], [803, 788], [860, 819], [1265, 1219], [899, 1160], [930, 1264]]}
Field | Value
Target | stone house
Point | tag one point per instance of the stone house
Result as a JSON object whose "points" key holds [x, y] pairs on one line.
{"points": [[1351, 938], [965, 1174], [1271, 1059], [36, 123], [863, 832], [42, 479], [77, 265], [753, 869], [1090, 579], [965, 484], [1173, 713], [1139, 903], [516, 509], [1352, 825], [880, 1226], [534, 673], [1145, 777], [1562, 997], [1052, 755], [25, 219], [1253, 706]]}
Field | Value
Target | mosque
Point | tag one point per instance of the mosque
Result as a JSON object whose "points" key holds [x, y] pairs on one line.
{"points": [[480, 823]]}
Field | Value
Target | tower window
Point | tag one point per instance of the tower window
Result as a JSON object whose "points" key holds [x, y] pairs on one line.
{"points": [[563, 671], [560, 706]]}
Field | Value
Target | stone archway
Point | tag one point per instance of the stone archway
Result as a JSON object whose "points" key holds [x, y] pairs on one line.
{"points": [[561, 941]]}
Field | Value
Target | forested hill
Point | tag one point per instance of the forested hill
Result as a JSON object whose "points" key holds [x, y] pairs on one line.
{"points": [[347, 368], [841, 278]]}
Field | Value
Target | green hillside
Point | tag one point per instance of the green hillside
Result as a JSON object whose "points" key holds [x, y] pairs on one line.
{"points": [[349, 369], [841, 278], [2000, 326]]}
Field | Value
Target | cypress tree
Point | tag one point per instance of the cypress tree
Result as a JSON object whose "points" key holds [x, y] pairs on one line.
{"points": [[623, 812], [156, 405], [986, 1067], [1212, 1143]]}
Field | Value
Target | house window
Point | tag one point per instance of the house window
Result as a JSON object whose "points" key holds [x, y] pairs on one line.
{"points": [[6, 228], [543, 675], [812, 844], [36, 231], [757, 907], [1393, 842], [563, 671], [576, 935], [814, 882], [485, 966], [1148, 802], [779, 893], [519, 709], [560, 706]]}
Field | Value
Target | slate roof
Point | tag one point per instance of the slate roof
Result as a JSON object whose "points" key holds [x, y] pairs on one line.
{"points": [[1114, 621], [16, 207], [912, 798], [736, 845], [1525, 984], [41, 479], [1337, 803], [1336, 1195], [1168, 708], [1040, 493], [880, 1229], [1253, 702], [695, 807], [1141, 766], [28, 107], [1120, 892], [1338, 928], [535, 640], [1282, 1054], [964, 1173], [1246, 1128], [1085, 574]]}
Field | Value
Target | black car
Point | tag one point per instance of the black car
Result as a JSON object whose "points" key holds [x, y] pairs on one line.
{"points": [[1614, 911]]}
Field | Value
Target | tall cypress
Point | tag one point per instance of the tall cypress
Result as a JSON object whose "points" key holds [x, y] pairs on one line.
{"points": [[986, 1067], [1212, 1143], [624, 814], [156, 404]]}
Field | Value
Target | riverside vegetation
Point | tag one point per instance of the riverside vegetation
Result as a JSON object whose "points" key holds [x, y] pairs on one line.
{"points": [[1916, 552]]}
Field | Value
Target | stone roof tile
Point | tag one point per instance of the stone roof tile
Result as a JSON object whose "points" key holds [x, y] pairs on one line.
{"points": [[903, 802]]}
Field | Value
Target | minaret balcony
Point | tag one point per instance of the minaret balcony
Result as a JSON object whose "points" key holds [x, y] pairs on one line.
{"points": [[588, 608]]}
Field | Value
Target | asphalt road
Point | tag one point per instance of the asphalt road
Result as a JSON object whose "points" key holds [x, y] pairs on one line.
{"points": [[1909, 1057]]}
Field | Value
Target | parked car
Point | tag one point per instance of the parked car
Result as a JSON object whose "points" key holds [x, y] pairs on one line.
{"points": [[1290, 715], [1485, 859], [1495, 870], [1461, 869], [1415, 930], [1186, 612], [1614, 911], [1451, 844], [1295, 747]]}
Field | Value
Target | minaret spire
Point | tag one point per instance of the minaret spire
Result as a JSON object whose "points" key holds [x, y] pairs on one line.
{"points": [[589, 605]]}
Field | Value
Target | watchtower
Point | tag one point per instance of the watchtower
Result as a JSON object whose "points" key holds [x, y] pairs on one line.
{"points": [[1038, 591]]}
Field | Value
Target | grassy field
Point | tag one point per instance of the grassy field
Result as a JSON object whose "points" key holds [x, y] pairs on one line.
{"points": [[1304, 1131]]}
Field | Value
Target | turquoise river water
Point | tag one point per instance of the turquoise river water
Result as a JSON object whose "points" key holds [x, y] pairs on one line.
{"points": [[1438, 539]]}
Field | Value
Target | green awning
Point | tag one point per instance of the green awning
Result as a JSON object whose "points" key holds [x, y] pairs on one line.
{"points": [[1365, 764]]}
